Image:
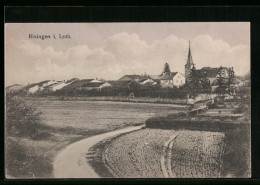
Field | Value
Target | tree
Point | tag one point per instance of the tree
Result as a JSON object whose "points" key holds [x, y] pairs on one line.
{"points": [[22, 120], [221, 81], [166, 68], [231, 75], [198, 80], [224, 83]]}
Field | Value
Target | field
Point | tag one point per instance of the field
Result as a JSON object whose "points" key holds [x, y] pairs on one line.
{"points": [[155, 153], [70, 121], [100, 115]]}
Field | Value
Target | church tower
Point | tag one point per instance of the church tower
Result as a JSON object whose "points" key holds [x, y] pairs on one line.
{"points": [[189, 65]]}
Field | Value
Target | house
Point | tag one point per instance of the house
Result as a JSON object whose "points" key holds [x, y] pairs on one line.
{"points": [[95, 81], [210, 73], [61, 85], [34, 88], [147, 81], [156, 79], [95, 85], [129, 78], [120, 85], [77, 84], [172, 79], [44, 83], [14, 88]]}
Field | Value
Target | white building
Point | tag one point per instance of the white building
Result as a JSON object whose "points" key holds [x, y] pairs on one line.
{"points": [[59, 86], [172, 79], [34, 89], [97, 85]]}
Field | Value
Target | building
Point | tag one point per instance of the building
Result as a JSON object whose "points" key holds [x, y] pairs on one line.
{"points": [[33, 89], [95, 85], [189, 66], [129, 78], [14, 88], [172, 79], [210, 73]]}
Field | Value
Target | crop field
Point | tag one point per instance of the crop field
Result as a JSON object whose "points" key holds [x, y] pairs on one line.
{"points": [[155, 153], [100, 115], [137, 154], [197, 154]]}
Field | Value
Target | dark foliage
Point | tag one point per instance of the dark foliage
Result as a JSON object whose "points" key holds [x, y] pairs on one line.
{"points": [[23, 120], [166, 68]]}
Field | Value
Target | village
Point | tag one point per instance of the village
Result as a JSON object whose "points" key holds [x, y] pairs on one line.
{"points": [[221, 80]]}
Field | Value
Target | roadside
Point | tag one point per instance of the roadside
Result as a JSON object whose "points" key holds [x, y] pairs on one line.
{"points": [[71, 162]]}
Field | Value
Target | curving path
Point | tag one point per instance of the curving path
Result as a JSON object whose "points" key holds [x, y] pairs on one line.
{"points": [[72, 163]]}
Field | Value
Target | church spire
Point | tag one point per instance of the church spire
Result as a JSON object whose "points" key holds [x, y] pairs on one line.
{"points": [[189, 60]]}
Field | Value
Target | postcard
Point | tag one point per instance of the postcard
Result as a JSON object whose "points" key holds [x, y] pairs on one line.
{"points": [[127, 100]]}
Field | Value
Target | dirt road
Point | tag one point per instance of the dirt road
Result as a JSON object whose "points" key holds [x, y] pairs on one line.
{"points": [[72, 163]]}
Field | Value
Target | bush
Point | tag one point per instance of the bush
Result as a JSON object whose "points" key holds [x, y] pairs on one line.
{"points": [[22, 120], [242, 108]]}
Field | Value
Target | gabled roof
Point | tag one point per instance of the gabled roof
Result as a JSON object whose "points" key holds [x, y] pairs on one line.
{"points": [[168, 76], [155, 77], [10, 86], [94, 84], [210, 72], [134, 77], [71, 80], [119, 84], [76, 84], [52, 85], [30, 86], [43, 82], [142, 80]]}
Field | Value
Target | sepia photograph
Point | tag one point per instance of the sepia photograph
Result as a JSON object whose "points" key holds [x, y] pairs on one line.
{"points": [[127, 100]]}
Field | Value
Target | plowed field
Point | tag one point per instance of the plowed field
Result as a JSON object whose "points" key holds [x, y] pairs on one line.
{"points": [[155, 153]]}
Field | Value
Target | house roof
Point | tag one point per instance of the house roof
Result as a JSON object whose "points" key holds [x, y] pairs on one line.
{"points": [[43, 82], [51, 85], [71, 80], [94, 84], [142, 80], [168, 76], [155, 77], [119, 84], [210, 72], [75, 84], [30, 86], [134, 77], [15, 85]]}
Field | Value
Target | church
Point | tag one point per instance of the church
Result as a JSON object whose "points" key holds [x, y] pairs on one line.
{"points": [[210, 73]]}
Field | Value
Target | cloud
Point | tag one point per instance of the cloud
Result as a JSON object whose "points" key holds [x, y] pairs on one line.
{"points": [[119, 54], [213, 53]]}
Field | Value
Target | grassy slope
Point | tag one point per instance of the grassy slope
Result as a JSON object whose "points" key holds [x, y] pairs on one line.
{"points": [[32, 158]]}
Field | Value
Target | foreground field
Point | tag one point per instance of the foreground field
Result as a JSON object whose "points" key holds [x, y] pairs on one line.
{"points": [[155, 153], [67, 122]]}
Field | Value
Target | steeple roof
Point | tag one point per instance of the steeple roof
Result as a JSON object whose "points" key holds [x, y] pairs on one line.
{"points": [[189, 60]]}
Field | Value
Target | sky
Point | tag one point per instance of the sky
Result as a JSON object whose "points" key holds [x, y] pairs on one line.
{"points": [[111, 50]]}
